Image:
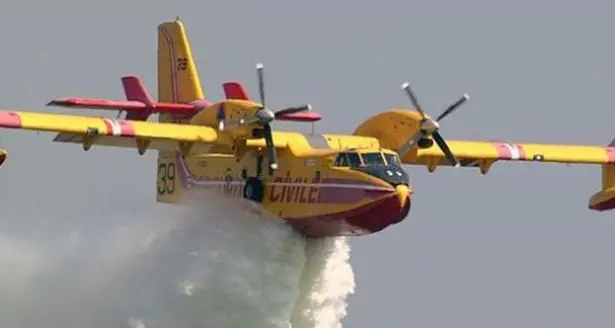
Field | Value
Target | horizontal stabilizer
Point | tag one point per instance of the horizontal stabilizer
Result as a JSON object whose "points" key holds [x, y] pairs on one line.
{"points": [[126, 105], [98, 103], [139, 104]]}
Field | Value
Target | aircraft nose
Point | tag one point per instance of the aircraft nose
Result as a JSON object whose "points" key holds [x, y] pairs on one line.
{"points": [[403, 196], [391, 174]]}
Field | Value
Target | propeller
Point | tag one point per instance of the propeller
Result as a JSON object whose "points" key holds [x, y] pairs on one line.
{"points": [[430, 127], [264, 116]]}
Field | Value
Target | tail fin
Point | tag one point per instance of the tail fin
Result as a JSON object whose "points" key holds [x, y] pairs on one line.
{"points": [[235, 90], [178, 82], [178, 78], [135, 90], [604, 200]]}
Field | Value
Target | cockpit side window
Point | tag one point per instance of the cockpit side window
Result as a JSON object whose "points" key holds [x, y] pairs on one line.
{"points": [[341, 160], [354, 160], [392, 159], [372, 159]]}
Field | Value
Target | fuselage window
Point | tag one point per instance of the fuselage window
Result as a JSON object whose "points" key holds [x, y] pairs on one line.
{"points": [[372, 159], [392, 159]]}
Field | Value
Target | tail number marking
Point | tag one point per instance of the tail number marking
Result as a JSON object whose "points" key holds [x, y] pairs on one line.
{"points": [[182, 64], [166, 178]]}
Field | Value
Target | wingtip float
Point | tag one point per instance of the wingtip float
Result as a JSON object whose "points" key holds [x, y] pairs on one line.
{"points": [[3, 154], [322, 184]]}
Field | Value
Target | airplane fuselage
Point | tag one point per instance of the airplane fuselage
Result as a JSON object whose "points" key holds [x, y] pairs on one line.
{"points": [[319, 195]]}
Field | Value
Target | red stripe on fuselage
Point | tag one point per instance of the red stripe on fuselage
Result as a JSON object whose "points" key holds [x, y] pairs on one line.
{"points": [[295, 190]]}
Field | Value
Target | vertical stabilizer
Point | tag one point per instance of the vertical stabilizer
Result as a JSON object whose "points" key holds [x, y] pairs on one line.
{"points": [[178, 82], [178, 78]]}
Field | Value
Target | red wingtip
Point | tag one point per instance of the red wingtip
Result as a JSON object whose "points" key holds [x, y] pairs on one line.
{"points": [[235, 90]]}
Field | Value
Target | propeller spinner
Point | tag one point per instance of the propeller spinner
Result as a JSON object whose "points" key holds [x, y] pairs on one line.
{"points": [[264, 116], [430, 127]]}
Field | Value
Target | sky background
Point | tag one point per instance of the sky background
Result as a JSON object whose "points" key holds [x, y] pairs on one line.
{"points": [[516, 247]]}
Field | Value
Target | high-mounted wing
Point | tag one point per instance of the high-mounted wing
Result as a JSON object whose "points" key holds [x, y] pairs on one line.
{"points": [[111, 132], [413, 135], [484, 154]]}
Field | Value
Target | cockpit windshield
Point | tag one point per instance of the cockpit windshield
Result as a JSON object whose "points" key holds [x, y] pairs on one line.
{"points": [[392, 159], [355, 160], [348, 160], [370, 159]]}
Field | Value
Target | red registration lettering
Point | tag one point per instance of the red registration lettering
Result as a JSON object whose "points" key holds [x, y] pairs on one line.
{"points": [[275, 196], [293, 191]]}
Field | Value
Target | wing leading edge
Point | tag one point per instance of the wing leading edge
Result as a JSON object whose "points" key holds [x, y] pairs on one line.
{"points": [[484, 154], [112, 132]]}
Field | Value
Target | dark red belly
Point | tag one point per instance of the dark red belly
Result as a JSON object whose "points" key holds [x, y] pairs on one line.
{"points": [[364, 220]]}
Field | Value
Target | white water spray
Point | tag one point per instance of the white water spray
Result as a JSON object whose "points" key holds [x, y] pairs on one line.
{"points": [[326, 282], [214, 266]]}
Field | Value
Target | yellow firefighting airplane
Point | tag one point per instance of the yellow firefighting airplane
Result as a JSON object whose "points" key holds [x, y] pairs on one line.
{"points": [[324, 185]]}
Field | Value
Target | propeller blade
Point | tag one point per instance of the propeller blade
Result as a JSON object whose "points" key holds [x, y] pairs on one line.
{"points": [[261, 82], [445, 149], [415, 102], [405, 148], [292, 110], [271, 152], [453, 107]]}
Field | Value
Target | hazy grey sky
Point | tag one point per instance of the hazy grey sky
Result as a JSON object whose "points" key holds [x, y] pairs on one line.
{"points": [[517, 247]]}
